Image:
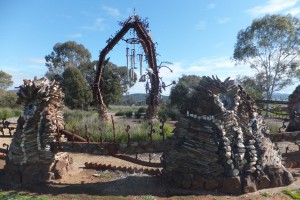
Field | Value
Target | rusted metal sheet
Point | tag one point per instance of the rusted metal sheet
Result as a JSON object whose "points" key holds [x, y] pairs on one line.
{"points": [[136, 161], [111, 148], [72, 136]]}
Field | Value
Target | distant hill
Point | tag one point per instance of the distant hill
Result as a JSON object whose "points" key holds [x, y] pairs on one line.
{"points": [[280, 96], [138, 99]]}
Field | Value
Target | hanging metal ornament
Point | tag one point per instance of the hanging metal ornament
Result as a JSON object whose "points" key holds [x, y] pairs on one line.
{"points": [[127, 54], [141, 63]]}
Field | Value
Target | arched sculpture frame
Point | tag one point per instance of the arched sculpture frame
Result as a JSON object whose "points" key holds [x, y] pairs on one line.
{"points": [[133, 22]]}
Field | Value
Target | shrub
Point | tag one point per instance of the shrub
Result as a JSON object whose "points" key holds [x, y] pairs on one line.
{"points": [[9, 112], [167, 111], [120, 113], [128, 114], [142, 110], [138, 115]]}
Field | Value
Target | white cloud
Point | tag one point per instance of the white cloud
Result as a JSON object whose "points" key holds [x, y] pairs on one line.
{"points": [[201, 25], [272, 6], [36, 60], [294, 11], [75, 35], [98, 25], [211, 6], [224, 20], [114, 12], [222, 67], [25, 73]]}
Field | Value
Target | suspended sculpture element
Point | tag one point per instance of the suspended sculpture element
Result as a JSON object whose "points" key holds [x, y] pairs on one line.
{"points": [[141, 29]]}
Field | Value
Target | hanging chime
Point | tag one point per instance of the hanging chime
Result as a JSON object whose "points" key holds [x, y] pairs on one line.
{"points": [[127, 54], [141, 63], [132, 63]]}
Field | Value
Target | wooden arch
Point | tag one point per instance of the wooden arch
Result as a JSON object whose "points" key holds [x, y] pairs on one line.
{"points": [[149, 49]]}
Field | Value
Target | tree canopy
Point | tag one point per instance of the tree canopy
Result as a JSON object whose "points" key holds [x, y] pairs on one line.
{"points": [[72, 55], [271, 46], [5, 80], [183, 89], [76, 91], [67, 54]]}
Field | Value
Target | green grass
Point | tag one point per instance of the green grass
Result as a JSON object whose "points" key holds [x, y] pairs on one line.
{"points": [[293, 194], [20, 196], [10, 112], [138, 132]]}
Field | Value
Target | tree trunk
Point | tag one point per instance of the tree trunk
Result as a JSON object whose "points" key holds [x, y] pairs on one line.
{"points": [[102, 110]]}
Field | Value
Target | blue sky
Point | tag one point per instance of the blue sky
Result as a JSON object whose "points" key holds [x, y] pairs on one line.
{"points": [[198, 37]]}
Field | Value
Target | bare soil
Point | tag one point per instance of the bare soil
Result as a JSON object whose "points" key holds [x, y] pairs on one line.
{"points": [[82, 183]]}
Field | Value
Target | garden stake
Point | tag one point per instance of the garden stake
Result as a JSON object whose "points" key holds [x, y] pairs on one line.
{"points": [[87, 135], [162, 133], [114, 130], [128, 135], [100, 130], [150, 158], [151, 131]]}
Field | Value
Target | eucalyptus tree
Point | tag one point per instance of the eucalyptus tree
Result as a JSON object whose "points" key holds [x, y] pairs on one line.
{"points": [[271, 46]]}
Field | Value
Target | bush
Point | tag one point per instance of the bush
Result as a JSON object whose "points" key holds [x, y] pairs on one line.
{"points": [[9, 112], [138, 115], [167, 111], [128, 114], [142, 110], [120, 113]]}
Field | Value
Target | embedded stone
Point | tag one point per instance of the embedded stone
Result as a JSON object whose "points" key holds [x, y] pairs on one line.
{"points": [[231, 185]]}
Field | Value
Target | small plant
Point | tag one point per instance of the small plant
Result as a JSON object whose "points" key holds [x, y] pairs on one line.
{"points": [[265, 194], [20, 196], [295, 195], [147, 197]]}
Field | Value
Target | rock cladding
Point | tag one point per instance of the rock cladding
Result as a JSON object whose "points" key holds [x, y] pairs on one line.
{"points": [[294, 111], [30, 158], [222, 143]]}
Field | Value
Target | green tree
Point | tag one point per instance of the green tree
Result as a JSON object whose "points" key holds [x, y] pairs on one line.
{"points": [[111, 86], [5, 80], [77, 93], [254, 85], [65, 55], [8, 99], [182, 90], [271, 46]]}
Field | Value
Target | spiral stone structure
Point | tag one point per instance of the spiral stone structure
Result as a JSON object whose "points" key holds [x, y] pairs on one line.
{"points": [[30, 159], [223, 145]]}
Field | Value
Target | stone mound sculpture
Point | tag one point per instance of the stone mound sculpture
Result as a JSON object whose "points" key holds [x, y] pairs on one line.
{"points": [[223, 146], [30, 159], [294, 110]]}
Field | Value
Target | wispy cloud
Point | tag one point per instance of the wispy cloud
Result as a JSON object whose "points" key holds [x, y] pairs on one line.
{"points": [[18, 75], [75, 35], [211, 6], [272, 6], [97, 25], [201, 25], [224, 20], [35, 60], [114, 12], [222, 67], [294, 11]]}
